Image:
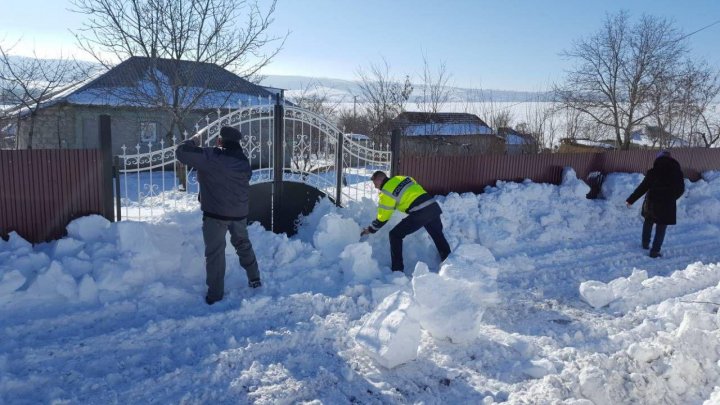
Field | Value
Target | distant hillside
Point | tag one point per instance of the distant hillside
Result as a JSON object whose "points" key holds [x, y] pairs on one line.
{"points": [[344, 90]]}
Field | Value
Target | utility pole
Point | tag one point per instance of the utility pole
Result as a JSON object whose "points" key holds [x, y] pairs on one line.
{"points": [[354, 113]]}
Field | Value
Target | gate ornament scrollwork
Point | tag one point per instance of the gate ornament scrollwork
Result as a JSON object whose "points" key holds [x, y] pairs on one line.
{"points": [[309, 155]]}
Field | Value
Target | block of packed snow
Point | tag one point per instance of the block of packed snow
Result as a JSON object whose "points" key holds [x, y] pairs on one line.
{"points": [[67, 247], [599, 294], [156, 250], [132, 237], [593, 385], [87, 290], [76, 267], [393, 283], [88, 228], [53, 282], [539, 368], [15, 244], [11, 281], [334, 233], [644, 352], [451, 303], [571, 186], [596, 293], [445, 307], [391, 334], [357, 262], [474, 263], [618, 186], [628, 286], [711, 175]]}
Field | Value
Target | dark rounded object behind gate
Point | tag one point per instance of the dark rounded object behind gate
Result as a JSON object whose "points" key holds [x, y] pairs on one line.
{"points": [[294, 199]]}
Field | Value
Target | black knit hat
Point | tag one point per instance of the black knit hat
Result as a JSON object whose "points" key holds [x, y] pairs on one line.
{"points": [[230, 134]]}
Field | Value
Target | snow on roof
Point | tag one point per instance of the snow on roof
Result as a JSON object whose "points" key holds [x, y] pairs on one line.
{"points": [[358, 137], [596, 144], [419, 117], [145, 82], [642, 138], [446, 129]]}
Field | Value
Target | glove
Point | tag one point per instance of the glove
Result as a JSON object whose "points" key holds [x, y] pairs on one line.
{"points": [[365, 231]]}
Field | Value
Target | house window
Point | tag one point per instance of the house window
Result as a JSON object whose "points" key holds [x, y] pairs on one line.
{"points": [[148, 131]]}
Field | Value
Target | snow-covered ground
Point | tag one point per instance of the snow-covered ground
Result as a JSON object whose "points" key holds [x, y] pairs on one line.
{"points": [[547, 298]]}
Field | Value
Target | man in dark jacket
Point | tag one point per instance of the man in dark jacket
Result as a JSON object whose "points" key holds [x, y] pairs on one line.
{"points": [[664, 184], [404, 194], [224, 175]]}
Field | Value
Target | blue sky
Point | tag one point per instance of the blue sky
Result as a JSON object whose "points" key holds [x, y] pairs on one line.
{"points": [[510, 44]]}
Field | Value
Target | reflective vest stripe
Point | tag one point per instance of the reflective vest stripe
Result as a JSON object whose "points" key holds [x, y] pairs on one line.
{"points": [[422, 205]]}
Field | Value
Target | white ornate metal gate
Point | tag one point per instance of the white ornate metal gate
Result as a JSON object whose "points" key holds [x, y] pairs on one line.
{"points": [[283, 142]]}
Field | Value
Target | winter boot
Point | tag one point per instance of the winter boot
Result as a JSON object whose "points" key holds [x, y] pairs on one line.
{"points": [[211, 301]]}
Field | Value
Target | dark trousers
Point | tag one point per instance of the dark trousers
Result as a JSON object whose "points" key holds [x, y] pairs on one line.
{"points": [[214, 231], [429, 218], [659, 235]]}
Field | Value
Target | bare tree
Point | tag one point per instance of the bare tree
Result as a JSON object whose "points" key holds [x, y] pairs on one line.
{"points": [[352, 122], [309, 144], [616, 70], [435, 91], [702, 89], [711, 134], [232, 34], [315, 98], [501, 118], [384, 97], [539, 121], [678, 102], [28, 83], [488, 109], [573, 121]]}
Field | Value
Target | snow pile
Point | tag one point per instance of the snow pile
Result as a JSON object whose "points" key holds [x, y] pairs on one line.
{"points": [[114, 312], [573, 187], [358, 264], [391, 333], [448, 305], [334, 233], [625, 294], [452, 303]]}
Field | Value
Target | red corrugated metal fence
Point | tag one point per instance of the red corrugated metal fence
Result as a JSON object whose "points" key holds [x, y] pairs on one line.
{"points": [[41, 191], [445, 174]]}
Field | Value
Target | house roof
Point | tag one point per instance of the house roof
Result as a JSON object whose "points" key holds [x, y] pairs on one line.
{"points": [[651, 135], [191, 74], [129, 84], [416, 117], [440, 124], [515, 137]]}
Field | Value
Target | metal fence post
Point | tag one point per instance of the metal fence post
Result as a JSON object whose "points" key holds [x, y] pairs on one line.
{"points": [[339, 168], [116, 176], [107, 166], [278, 163], [395, 150]]}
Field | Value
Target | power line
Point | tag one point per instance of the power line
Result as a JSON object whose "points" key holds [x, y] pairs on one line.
{"points": [[701, 29]]}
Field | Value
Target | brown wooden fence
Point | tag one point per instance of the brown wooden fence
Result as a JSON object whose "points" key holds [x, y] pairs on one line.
{"points": [[445, 174], [41, 191]]}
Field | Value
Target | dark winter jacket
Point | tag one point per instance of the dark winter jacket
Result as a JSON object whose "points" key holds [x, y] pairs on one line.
{"points": [[664, 184], [224, 176]]}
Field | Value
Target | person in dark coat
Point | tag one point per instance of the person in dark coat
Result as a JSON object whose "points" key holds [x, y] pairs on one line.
{"points": [[663, 184], [224, 175]]}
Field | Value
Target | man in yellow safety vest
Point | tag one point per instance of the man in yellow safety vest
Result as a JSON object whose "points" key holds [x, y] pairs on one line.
{"points": [[404, 194]]}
